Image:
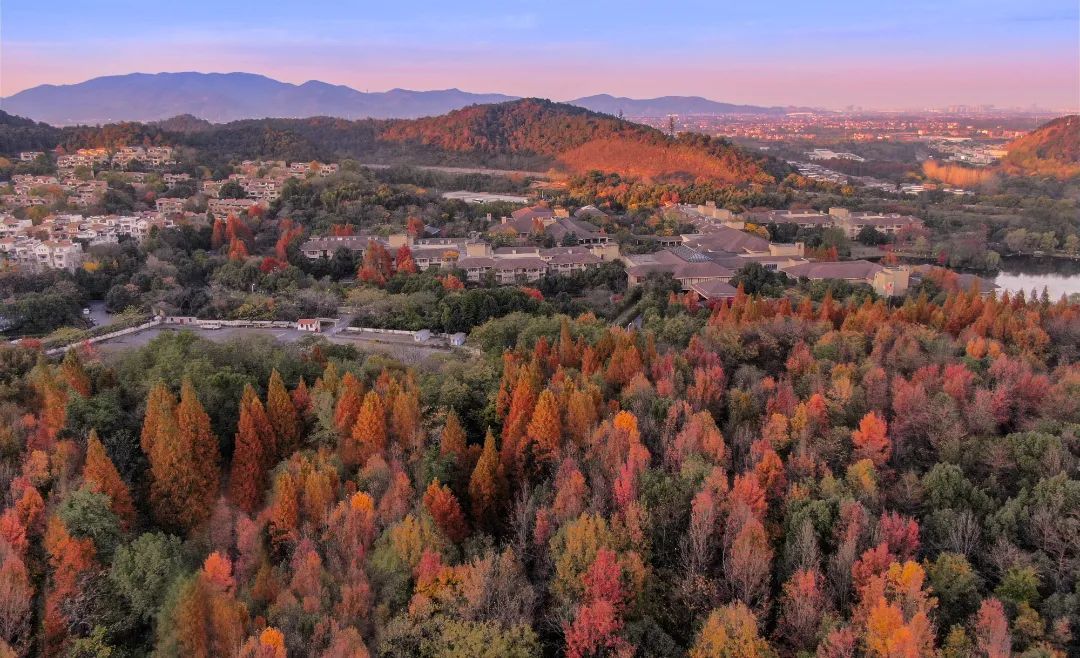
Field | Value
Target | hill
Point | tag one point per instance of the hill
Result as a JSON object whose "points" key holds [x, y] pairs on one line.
{"points": [[222, 97], [665, 105], [575, 140], [1052, 149], [529, 134]]}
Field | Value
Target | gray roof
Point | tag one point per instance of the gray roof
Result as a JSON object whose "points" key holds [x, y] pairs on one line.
{"points": [[845, 269]]}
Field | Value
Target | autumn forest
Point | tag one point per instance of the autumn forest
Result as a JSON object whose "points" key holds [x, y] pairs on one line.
{"points": [[837, 478]]}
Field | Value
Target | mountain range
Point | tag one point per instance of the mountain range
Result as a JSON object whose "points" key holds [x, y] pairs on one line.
{"points": [[224, 97]]}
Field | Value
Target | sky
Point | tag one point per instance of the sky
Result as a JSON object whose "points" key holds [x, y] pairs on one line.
{"points": [[882, 54]]}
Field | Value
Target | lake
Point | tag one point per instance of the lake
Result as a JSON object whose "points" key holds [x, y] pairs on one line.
{"points": [[1059, 276]]}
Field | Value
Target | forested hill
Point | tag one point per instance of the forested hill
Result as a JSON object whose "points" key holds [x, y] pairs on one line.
{"points": [[576, 140], [1051, 149], [527, 134]]}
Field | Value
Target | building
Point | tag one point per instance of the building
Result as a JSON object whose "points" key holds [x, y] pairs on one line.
{"points": [[714, 291], [886, 281], [168, 205], [222, 207], [309, 324], [686, 265], [851, 223]]}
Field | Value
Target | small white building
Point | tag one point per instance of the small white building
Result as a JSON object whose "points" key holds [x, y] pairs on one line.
{"points": [[309, 324]]}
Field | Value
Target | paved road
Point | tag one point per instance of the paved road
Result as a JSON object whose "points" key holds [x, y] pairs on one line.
{"points": [[98, 315]]}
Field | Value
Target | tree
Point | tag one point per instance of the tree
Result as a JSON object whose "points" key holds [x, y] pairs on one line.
{"points": [[144, 570], [247, 478], [101, 475], [870, 441], [731, 632], [203, 454], [160, 406], [444, 509], [368, 433], [487, 487], [452, 440], [545, 430], [350, 399], [207, 620], [403, 261], [748, 562], [802, 607], [992, 630], [282, 414], [174, 482]]}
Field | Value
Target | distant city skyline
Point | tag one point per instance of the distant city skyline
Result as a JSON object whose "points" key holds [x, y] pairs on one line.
{"points": [[910, 55]]}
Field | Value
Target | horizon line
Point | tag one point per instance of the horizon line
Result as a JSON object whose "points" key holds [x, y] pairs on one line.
{"points": [[849, 107]]}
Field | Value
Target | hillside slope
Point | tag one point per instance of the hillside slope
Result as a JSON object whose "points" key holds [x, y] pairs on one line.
{"points": [[575, 140], [1052, 149], [528, 134]]}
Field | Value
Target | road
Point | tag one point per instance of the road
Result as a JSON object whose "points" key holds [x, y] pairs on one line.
{"points": [[98, 315], [467, 170]]}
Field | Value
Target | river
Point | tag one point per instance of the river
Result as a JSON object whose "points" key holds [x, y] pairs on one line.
{"points": [[1059, 276]]}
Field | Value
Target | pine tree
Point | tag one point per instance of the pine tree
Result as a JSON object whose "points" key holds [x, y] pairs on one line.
{"points": [[369, 433], [350, 398], [301, 398], [183, 458], [101, 476], [247, 478], [452, 441], [405, 421], [487, 487], [160, 403], [545, 429], [282, 413], [522, 401], [268, 442]]}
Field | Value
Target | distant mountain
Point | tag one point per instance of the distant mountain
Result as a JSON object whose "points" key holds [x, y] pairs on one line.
{"points": [[1052, 149], [222, 97], [665, 105]]}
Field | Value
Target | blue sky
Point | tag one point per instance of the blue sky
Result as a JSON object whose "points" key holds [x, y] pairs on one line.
{"points": [[826, 53]]}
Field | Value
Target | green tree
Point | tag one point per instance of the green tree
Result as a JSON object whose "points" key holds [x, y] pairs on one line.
{"points": [[143, 571]]}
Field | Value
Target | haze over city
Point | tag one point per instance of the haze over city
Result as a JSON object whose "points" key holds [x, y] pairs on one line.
{"points": [[912, 55]]}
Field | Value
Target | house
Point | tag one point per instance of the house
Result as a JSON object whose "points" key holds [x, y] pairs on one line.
{"points": [[327, 246], [309, 324], [422, 336], [458, 339]]}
